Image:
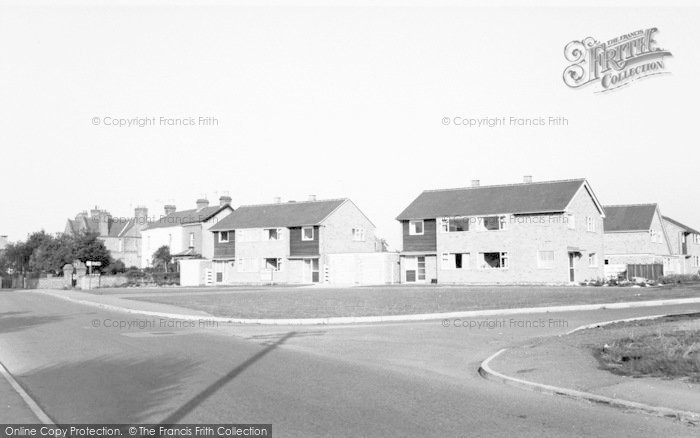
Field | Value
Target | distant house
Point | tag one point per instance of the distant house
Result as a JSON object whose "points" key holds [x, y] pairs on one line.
{"points": [[121, 236], [533, 232], [685, 242], [636, 234], [298, 242], [185, 232]]}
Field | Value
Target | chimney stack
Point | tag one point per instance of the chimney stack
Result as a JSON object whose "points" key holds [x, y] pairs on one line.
{"points": [[202, 203], [141, 216], [476, 183], [169, 209], [225, 199], [277, 199], [312, 197], [527, 179]]}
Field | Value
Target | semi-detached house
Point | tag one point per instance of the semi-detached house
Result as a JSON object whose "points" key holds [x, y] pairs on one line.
{"points": [[312, 241], [532, 232]]}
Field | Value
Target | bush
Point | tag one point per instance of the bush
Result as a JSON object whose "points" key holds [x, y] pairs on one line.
{"points": [[679, 279], [116, 267]]}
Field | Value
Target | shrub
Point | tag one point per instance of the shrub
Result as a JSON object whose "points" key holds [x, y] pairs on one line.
{"points": [[679, 279]]}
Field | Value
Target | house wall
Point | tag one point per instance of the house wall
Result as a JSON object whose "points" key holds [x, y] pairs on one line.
{"points": [[425, 242], [257, 249], [336, 232], [298, 247], [224, 250], [207, 242], [524, 237], [154, 238], [636, 247], [689, 263]]}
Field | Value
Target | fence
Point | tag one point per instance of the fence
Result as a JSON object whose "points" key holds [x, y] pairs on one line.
{"points": [[651, 271]]}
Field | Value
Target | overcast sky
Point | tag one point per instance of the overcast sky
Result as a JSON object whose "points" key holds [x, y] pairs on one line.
{"points": [[333, 101]]}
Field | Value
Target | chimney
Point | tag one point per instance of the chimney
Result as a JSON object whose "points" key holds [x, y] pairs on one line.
{"points": [[225, 199], [527, 179], [103, 220], [312, 197], [476, 183], [141, 216], [202, 203], [169, 209], [277, 199], [95, 212]]}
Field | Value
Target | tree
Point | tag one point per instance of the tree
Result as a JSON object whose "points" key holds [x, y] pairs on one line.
{"points": [[89, 248], [162, 257]]}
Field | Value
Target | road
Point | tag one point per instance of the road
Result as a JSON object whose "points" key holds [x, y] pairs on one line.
{"points": [[413, 379]]}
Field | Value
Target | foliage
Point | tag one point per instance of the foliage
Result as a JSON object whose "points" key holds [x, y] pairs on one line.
{"points": [[679, 279], [162, 258], [116, 267]]}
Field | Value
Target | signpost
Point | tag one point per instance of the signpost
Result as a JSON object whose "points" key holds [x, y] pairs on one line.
{"points": [[90, 264]]}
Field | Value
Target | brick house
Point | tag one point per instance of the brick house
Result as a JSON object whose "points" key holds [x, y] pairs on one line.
{"points": [[295, 242], [529, 233], [121, 236], [185, 232], [636, 234], [685, 242]]}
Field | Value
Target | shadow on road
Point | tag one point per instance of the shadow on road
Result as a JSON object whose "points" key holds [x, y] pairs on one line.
{"points": [[16, 321], [214, 387], [110, 389]]}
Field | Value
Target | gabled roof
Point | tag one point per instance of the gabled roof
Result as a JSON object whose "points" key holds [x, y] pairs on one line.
{"points": [[535, 197], [634, 217], [678, 224], [117, 228], [289, 214], [185, 217]]}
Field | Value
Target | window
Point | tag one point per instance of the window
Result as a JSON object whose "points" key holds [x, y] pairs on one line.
{"points": [[697, 238], [545, 259], [272, 264], [307, 233], [121, 245], [274, 234], [358, 234], [593, 260], [696, 261], [458, 260], [223, 237], [491, 223], [191, 240], [571, 221], [454, 224], [655, 236], [590, 224], [415, 228], [494, 260]]}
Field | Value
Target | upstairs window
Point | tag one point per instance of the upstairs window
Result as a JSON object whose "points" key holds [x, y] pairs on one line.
{"points": [[307, 233], [415, 228], [590, 224], [223, 237], [191, 240], [454, 224], [358, 234], [571, 221], [273, 234]]}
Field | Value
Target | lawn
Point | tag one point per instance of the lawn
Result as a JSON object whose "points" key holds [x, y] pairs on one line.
{"points": [[669, 347], [273, 302]]}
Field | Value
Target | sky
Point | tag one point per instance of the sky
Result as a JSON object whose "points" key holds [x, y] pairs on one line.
{"points": [[336, 100]]}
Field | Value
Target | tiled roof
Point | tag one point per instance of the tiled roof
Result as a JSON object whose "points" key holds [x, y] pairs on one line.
{"points": [[685, 227], [185, 217], [536, 197], [635, 217], [118, 227], [289, 214]]}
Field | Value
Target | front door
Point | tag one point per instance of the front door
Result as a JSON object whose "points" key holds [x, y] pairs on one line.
{"points": [[571, 267], [310, 271], [415, 269]]}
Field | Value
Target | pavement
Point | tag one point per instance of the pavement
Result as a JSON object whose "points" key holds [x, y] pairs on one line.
{"points": [[84, 364], [568, 362]]}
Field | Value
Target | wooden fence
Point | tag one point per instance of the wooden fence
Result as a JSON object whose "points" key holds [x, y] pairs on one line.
{"points": [[651, 271]]}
